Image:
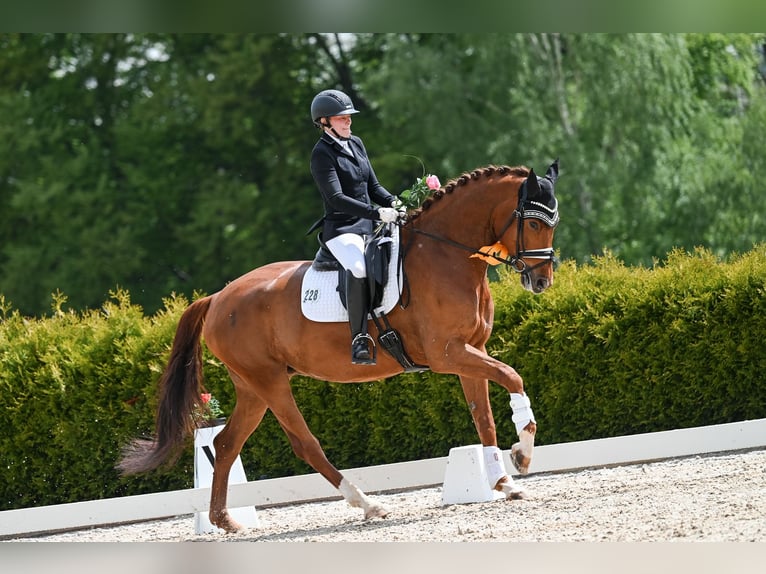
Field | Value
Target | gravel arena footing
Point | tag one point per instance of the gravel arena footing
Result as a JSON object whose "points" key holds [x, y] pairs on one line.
{"points": [[711, 498]]}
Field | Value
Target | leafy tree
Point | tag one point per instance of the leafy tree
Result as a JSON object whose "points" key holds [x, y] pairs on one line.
{"points": [[157, 163], [646, 152], [64, 189], [167, 163]]}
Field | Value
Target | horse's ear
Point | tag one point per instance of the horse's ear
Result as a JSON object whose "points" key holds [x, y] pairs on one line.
{"points": [[533, 186], [553, 171], [541, 189]]}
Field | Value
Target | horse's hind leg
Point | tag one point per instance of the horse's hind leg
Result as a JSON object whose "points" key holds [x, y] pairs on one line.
{"points": [[307, 447], [245, 418]]}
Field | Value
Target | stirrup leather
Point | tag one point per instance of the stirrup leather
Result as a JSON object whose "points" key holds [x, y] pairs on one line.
{"points": [[391, 341]]}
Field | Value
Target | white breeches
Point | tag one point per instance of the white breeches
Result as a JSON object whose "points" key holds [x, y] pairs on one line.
{"points": [[348, 249]]}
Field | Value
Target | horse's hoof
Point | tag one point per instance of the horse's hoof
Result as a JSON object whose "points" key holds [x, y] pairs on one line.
{"points": [[375, 511], [227, 523], [519, 459], [510, 489], [513, 492]]}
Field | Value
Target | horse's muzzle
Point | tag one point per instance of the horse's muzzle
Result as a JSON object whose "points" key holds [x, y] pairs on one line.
{"points": [[535, 283]]}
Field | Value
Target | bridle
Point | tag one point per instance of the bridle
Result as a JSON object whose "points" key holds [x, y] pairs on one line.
{"points": [[526, 209]]}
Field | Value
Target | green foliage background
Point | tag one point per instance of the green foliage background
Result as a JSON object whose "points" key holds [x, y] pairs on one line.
{"points": [[608, 350], [137, 169], [161, 163]]}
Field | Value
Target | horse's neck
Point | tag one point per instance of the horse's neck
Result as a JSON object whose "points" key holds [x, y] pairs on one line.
{"points": [[464, 216], [452, 230], [434, 264]]}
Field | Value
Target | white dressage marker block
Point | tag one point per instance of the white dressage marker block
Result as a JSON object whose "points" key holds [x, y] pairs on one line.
{"points": [[204, 456], [465, 478]]}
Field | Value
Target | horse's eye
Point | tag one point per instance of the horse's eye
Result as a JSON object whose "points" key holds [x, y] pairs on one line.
{"points": [[534, 225]]}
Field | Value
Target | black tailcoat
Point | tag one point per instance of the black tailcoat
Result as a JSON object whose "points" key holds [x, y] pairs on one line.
{"points": [[348, 186]]}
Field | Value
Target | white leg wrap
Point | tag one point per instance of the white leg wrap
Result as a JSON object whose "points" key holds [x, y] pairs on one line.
{"points": [[358, 499], [353, 495], [522, 412], [493, 462]]}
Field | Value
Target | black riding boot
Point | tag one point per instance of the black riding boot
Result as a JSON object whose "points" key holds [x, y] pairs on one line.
{"points": [[357, 303]]}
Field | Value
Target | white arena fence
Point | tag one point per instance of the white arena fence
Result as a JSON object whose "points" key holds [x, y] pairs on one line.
{"points": [[565, 457]]}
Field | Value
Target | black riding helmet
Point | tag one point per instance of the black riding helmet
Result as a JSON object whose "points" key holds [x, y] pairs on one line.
{"points": [[331, 103]]}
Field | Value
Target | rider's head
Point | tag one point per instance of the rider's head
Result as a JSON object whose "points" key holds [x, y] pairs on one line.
{"points": [[331, 103]]}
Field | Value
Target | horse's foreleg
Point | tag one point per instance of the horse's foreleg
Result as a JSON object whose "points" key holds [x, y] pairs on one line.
{"points": [[526, 427], [245, 418], [307, 447], [474, 363], [476, 393]]}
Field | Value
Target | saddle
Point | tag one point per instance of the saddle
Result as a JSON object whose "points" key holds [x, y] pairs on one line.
{"points": [[383, 262], [377, 258]]}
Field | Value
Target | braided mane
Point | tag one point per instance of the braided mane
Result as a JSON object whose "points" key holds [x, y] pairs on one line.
{"points": [[465, 179]]}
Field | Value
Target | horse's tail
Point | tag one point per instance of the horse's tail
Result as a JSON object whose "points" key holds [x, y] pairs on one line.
{"points": [[180, 387]]}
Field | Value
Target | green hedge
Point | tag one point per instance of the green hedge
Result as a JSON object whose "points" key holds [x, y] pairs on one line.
{"points": [[608, 350], [612, 351]]}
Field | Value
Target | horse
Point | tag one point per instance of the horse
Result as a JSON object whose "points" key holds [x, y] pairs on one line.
{"points": [[254, 326]]}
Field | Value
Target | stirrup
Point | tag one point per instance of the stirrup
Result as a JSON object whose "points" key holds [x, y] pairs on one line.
{"points": [[366, 340]]}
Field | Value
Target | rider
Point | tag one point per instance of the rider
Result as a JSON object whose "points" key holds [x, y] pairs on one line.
{"points": [[348, 186]]}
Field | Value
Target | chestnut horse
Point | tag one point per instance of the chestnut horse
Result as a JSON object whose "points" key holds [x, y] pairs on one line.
{"points": [[254, 325]]}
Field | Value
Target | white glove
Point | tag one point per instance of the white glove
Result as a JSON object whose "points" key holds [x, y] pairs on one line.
{"points": [[399, 206], [388, 214]]}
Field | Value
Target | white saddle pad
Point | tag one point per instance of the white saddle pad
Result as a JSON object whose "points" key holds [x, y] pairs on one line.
{"points": [[320, 300]]}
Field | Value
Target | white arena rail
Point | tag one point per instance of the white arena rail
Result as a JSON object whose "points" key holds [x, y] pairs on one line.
{"points": [[564, 457]]}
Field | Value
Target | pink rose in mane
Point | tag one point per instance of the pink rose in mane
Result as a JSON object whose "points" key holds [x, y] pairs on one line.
{"points": [[433, 182]]}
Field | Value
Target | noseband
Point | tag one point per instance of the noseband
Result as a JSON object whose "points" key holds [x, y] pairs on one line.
{"points": [[526, 209]]}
